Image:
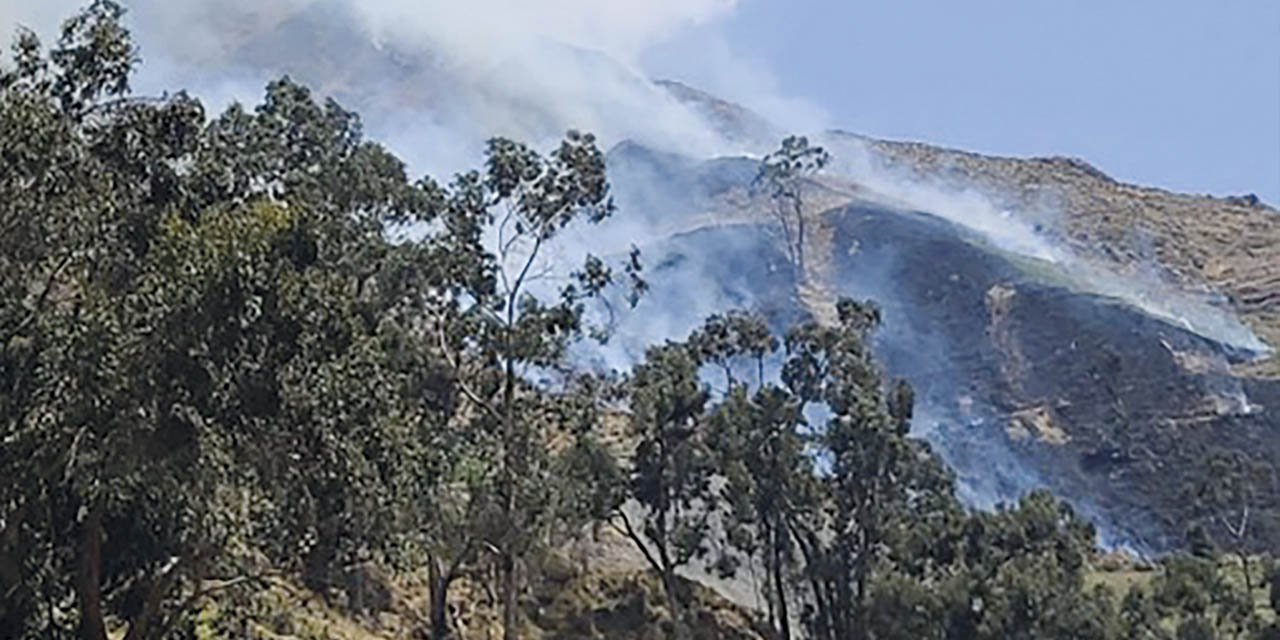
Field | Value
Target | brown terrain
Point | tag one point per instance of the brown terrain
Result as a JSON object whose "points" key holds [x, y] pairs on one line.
{"points": [[1228, 245], [1055, 415]]}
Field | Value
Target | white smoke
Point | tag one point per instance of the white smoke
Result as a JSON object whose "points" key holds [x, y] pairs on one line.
{"points": [[40, 17], [471, 31], [474, 31], [1016, 232], [429, 75], [532, 69], [435, 78]]}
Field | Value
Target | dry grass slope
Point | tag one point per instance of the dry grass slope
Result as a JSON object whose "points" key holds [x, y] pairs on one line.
{"points": [[1202, 243]]}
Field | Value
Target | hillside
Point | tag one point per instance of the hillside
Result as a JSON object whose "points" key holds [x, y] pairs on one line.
{"points": [[1105, 357], [1216, 245], [259, 380]]}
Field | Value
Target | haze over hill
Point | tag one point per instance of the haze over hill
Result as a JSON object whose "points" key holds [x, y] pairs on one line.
{"points": [[1179, 94], [1197, 268], [244, 351]]}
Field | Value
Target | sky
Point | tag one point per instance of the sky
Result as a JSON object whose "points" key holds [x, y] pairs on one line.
{"points": [[1179, 94]]}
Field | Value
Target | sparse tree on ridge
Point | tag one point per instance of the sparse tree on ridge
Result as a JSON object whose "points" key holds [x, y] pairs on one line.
{"points": [[782, 178]]}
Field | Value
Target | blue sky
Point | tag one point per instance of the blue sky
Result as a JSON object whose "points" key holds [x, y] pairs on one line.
{"points": [[1178, 94]]}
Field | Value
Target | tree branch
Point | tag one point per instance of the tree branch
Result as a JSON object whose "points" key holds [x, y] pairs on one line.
{"points": [[453, 364], [630, 532], [515, 290], [504, 246], [160, 587], [40, 302], [89, 586]]}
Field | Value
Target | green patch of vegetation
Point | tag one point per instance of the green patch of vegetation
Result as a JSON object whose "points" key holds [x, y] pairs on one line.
{"points": [[233, 406]]}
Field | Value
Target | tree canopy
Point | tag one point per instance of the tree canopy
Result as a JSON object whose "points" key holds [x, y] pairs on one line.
{"points": [[223, 362]]}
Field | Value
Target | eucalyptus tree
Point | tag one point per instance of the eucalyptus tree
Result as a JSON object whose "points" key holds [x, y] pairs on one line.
{"points": [[1026, 564], [770, 484], [758, 435], [512, 313], [672, 468], [1228, 499], [781, 177], [208, 366], [881, 489]]}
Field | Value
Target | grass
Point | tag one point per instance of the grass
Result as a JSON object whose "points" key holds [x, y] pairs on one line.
{"points": [[1121, 577], [1119, 581]]}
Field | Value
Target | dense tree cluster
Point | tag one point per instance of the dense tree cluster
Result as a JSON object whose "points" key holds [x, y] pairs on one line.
{"points": [[248, 346]]}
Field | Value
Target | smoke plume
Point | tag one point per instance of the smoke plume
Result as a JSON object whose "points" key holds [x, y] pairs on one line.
{"points": [[435, 78]]}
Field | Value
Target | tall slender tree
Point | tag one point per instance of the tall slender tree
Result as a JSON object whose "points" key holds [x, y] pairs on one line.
{"points": [[760, 451], [496, 330], [671, 469], [781, 178]]}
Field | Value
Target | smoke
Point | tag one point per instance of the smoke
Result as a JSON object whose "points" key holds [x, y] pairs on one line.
{"points": [[1162, 300], [41, 17], [434, 79], [1019, 233], [473, 31], [967, 207], [437, 78]]}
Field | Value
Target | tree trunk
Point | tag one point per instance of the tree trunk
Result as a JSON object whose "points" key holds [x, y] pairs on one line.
{"points": [[767, 589], [859, 613], [439, 584], [822, 620], [1275, 588], [825, 618], [842, 602], [11, 558], [871, 540], [161, 584], [662, 567], [669, 585], [89, 582], [1244, 568], [512, 459], [784, 616], [510, 598], [800, 238]]}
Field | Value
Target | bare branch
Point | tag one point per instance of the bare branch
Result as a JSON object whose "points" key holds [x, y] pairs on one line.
{"points": [[504, 246], [630, 532], [40, 302], [453, 364]]}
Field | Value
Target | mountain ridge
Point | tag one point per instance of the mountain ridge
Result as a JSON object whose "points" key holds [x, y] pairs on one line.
{"points": [[1216, 247]]}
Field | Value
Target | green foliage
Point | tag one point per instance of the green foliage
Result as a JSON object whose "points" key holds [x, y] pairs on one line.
{"points": [[194, 376], [781, 178], [1199, 600], [496, 325], [217, 367], [672, 465]]}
